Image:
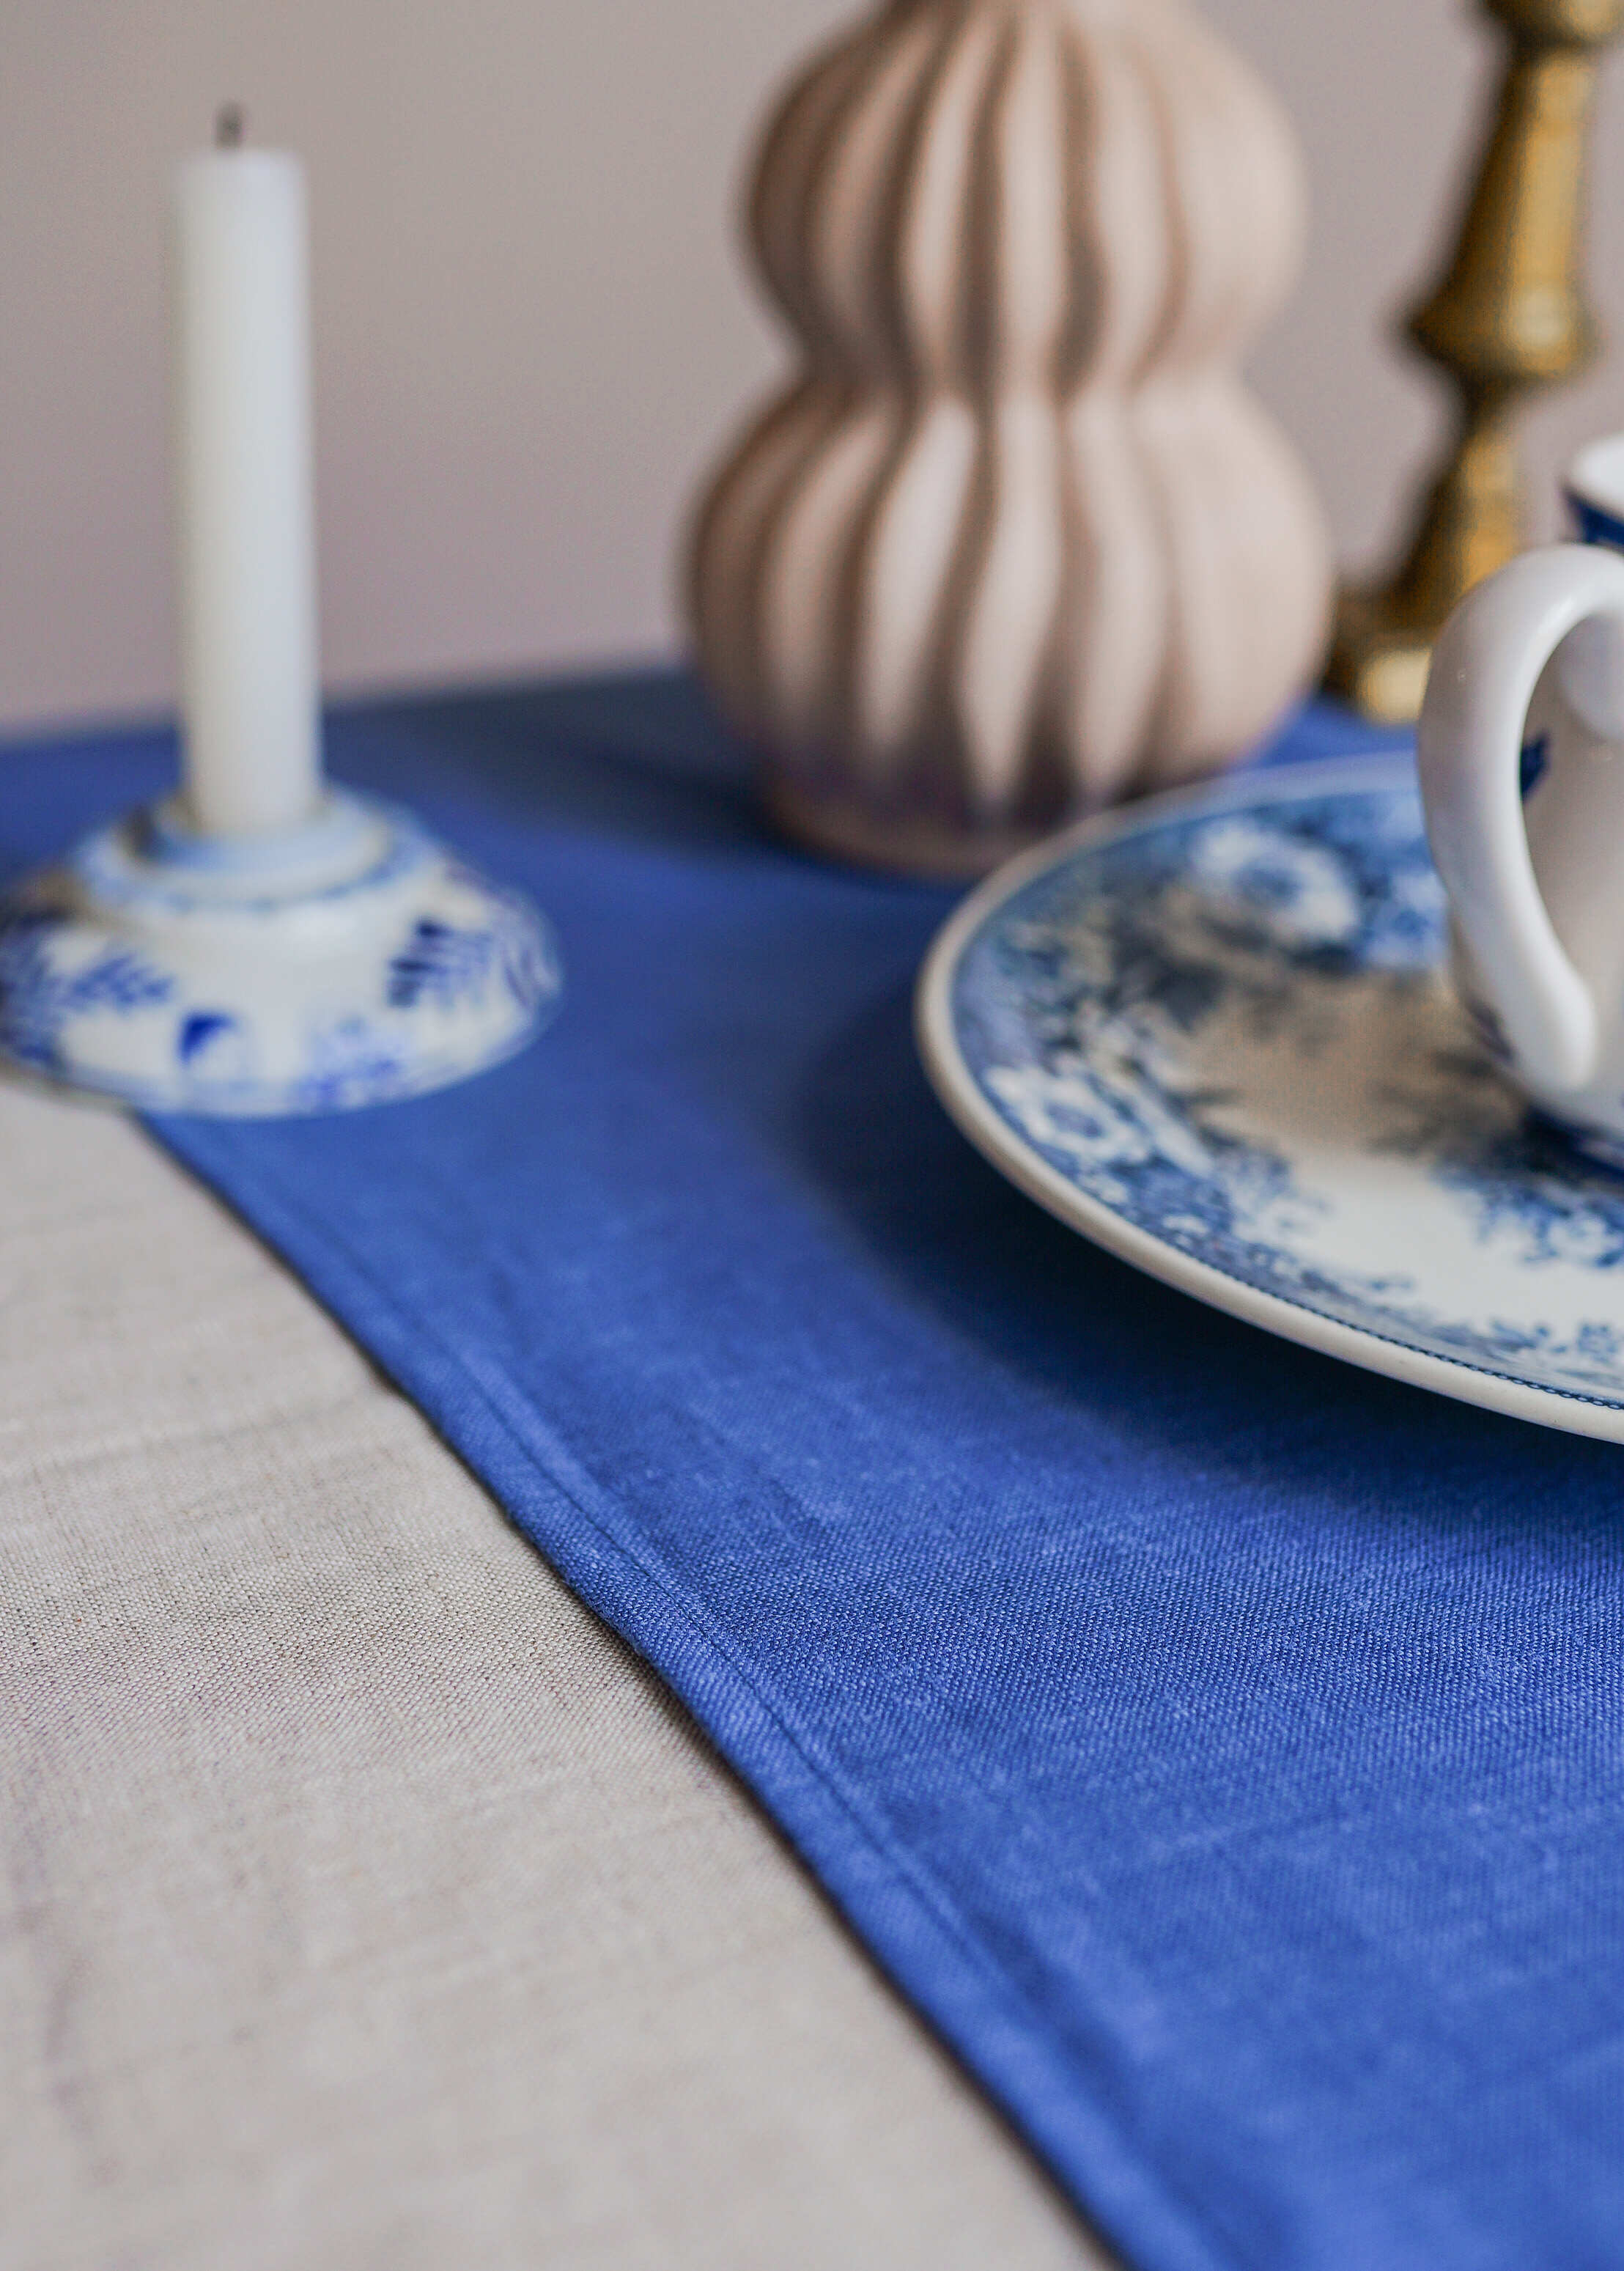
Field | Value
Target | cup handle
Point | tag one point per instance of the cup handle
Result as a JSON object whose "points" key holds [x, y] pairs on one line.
{"points": [[1469, 747]]}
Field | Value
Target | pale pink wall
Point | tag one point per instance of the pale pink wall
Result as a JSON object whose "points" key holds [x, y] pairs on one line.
{"points": [[532, 325]]}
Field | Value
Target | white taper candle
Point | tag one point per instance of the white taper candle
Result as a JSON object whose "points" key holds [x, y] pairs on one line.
{"points": [[244, 502]]}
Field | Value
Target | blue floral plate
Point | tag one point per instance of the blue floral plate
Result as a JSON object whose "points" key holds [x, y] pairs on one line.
{"points": [[1214, 1033]]}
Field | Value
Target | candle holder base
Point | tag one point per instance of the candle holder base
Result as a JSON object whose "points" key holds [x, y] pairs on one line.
{"points": [[353, 961]]}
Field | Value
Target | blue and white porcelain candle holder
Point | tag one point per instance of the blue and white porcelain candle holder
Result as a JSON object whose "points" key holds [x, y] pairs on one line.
{"points": [[261, 943], [348, 961]]}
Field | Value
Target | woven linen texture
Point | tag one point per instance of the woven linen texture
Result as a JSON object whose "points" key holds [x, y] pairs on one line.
{"points": [[1218, 1744], [363, 1902]]}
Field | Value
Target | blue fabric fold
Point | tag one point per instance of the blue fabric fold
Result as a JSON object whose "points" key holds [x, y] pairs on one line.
{"points": [[1221, 1746]]}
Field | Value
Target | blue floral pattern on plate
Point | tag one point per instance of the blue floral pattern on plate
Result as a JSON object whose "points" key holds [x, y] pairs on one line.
{"points": [[1218, 1035]]}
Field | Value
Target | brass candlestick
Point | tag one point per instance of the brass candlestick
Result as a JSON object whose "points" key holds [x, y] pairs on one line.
{"points": [[1508, 318]]}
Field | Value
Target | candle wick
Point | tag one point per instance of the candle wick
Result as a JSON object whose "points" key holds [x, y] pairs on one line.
{"points": [[228, 126]]}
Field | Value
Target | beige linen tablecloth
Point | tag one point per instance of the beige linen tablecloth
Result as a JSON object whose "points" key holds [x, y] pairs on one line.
{"points": [[365, 1902]]}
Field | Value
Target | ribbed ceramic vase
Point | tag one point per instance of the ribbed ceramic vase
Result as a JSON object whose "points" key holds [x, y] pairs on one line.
{"points": [[1016, 542]]}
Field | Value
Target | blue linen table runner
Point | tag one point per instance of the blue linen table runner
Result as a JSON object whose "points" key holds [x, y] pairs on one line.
{"points": [[1220, 1746]]}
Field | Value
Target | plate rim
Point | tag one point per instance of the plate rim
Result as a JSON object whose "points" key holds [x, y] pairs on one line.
{"points": [[1567, 1410]]}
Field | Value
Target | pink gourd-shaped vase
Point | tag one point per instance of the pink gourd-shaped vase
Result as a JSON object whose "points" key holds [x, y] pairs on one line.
{"points": [[1016, 542]]}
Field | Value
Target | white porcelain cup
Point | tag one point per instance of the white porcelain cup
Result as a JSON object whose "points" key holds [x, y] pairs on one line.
{"points": [[1521, 750]]}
